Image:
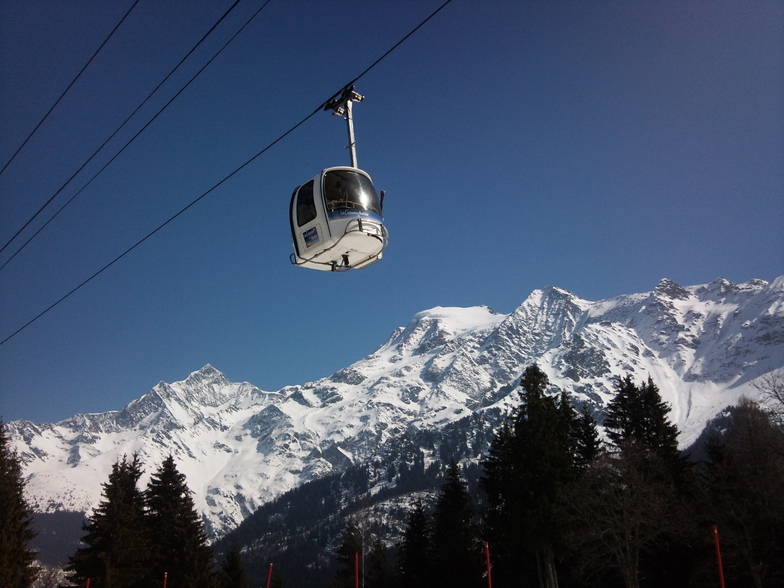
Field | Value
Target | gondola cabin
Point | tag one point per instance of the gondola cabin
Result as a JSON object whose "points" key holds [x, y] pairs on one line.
{"points": [[336, 222]]}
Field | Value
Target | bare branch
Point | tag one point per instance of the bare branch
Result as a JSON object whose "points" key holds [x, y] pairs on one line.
{"points": [[771, 387]]}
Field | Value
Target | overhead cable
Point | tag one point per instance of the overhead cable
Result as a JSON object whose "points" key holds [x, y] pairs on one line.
{"points": [[68, 181], [69, 87], [226, 178]]}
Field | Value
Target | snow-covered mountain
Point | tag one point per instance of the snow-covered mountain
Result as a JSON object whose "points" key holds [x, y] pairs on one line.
{"points": [[240, 446]]}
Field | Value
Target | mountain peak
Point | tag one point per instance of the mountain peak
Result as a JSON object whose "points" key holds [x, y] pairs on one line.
{"points": [[458, 320], [206, 387], [557, 292], [432, 328], [672, 290], [721, 285], [207, 374]]}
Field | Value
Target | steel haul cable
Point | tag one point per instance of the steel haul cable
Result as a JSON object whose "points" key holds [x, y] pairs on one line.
{"points": [[226, 178], [68, 88], [68, 181]]}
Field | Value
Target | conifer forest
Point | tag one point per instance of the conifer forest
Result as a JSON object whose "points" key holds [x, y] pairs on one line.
{"points": [[558, 500]]}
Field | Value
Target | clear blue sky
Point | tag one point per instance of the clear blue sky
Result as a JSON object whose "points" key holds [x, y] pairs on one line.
{"points": [[596, 146]]}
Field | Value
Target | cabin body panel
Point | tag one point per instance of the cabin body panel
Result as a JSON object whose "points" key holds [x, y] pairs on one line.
{"points": [[309, 224]]}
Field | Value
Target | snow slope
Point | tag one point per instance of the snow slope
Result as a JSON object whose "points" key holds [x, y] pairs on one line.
{"points": [[240, 446]]}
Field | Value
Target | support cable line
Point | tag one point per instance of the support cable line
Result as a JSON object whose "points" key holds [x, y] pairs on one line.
{"points": [[395, 46], [221, 182], [68, 181], [89, 61]]}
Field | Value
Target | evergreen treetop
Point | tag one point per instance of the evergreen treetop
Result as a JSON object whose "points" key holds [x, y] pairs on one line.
{"points": [[456, 547], [530, 464], [175, 531], [116, 552], [232, 573], [639, 415], [414, 549], [348, 557], [638, 427], [378, 574], [17, 568], [587, 443]]}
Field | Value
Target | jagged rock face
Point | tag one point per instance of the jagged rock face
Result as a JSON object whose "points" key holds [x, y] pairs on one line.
{"points": [[240, 446]]}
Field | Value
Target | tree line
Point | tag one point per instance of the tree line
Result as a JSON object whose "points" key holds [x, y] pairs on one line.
{"points": [[556, 507], [147, 537], [151, 537]]}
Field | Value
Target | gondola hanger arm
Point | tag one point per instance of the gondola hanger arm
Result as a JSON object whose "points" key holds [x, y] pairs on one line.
{"points": [[341, 105]]}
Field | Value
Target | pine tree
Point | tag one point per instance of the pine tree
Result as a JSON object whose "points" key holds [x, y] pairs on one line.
{"points": [[744, 490], [378, 574], [349, 556], [115, 553], [414, 549], [232, 572], [175, 532], [629, 503], [17, 569], [638, 415], [530, 465], [456, 546], [587, 444]]}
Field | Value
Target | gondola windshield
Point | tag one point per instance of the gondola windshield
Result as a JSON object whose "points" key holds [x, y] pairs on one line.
{"points": [[349, 190]]}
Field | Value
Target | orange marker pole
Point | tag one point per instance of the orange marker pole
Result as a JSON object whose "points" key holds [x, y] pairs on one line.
{"points": [[487, 560], [718, 555], [269, 576]]}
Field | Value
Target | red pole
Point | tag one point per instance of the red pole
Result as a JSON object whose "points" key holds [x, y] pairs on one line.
{"points": [[356, 569], [87, 584], [487, 560], [718, 555], [269, 576]]}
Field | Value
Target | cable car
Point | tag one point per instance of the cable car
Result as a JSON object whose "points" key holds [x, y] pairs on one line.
{"points": [[336, 222]]}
